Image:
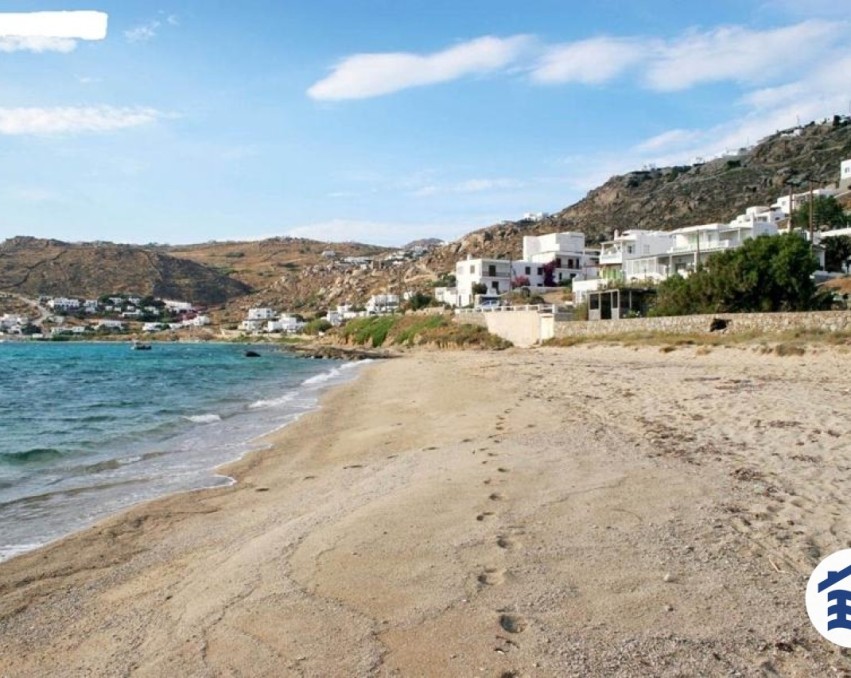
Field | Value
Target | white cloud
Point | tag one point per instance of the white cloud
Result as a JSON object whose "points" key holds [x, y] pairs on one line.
{"points": [[73, 120], [739, 54], [589, 61], [142, 32], [173, 20], [82, 25], [32, 194], [665, 140], [369, 75], [387, 233], [36, 43], [469, 186]]}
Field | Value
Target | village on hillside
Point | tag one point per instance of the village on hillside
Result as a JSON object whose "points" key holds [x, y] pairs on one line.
{"points": [[637, 259]]}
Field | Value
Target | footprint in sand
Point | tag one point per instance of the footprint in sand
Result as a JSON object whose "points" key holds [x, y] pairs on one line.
{"points": [[502, 470], [506, 543], [491, 576], [484, 515], [512, 623]]}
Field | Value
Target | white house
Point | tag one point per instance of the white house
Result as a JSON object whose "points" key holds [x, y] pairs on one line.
{"points": [[535, 216], [286, 323], [567, 250], [198, 321], [786, 204], [446, 295], [178, 306], [845, 170], [694, 244], [63, 304], [382, 303], [564, 253], [261, 313], [251, 325], [110, 325], [631, 244], [12, 324], [494, 274]]}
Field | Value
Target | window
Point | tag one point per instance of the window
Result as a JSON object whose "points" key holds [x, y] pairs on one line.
{"points": [[495, 285], [492, 270], [540, 270], [528, 270], [472, 270], [629, 249]]}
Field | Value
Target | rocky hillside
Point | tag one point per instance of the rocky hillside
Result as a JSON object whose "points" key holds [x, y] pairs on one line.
{"points": [[302, 275], [672, 197], [262, 263], [33, 267]]}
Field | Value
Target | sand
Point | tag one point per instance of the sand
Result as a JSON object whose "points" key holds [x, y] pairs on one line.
{"points": [[548, 512]]}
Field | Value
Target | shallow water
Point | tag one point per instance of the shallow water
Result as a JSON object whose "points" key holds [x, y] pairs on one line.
{"points": [[89, 429]]}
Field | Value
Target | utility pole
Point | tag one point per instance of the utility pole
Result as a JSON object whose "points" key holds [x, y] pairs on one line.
{"points": [[812, 216], [697, 262]]}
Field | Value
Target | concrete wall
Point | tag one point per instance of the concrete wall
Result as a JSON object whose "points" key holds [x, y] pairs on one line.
{"points": [[521, 328], [828, 321]]}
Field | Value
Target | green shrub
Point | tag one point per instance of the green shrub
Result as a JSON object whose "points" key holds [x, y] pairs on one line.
{"points": [[316, 326]]}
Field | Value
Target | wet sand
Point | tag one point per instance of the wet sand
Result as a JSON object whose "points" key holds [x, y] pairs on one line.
{"points": [[549, 512]]}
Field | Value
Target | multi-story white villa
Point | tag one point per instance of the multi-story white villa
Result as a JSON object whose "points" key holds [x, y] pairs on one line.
{"points": [[652, 256], [845, 170], [548, 260], [629, 245]]}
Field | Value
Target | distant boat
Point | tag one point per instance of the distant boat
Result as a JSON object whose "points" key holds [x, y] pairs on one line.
{"points": [[137, 345]]}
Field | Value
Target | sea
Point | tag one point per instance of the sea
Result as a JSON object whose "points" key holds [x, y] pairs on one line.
{"points": [[88, 429]]}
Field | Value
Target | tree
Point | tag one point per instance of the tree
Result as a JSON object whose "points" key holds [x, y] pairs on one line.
{"points": [[520, 281], [479, 288], [419, 300], [768, 273], [837, 251], [549, 274], [827, 213]]}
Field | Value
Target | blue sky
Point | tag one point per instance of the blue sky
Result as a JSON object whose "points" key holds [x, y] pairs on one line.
{"points": [[386, 121]]}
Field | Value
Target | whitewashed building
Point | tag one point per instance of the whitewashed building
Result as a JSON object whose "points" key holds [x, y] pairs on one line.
{"points": [[63, 304], [178, 306], [286, 323], [628, 245], [845, 170], [548, 260], [382, 303], [261, 313]]}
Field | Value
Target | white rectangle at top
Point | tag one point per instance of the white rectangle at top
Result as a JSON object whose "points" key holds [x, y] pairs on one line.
{"points": [[81, 25]]}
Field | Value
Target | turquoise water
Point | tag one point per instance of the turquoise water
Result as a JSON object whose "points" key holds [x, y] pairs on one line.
{"points": [[89, 429]]}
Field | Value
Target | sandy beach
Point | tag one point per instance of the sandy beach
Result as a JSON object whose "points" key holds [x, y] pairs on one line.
{"points": [[552, 512]]}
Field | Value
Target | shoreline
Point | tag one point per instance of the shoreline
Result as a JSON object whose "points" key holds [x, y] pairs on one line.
{"points": [[600, 510], [62, 521]]}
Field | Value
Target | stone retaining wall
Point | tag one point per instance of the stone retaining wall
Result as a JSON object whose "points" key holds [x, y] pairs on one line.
{"points": [[828, 321]]}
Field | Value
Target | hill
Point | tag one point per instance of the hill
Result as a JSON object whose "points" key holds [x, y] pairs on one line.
{"points": [[306, 275], [33, 267], [263, 262], [673, 197]]}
